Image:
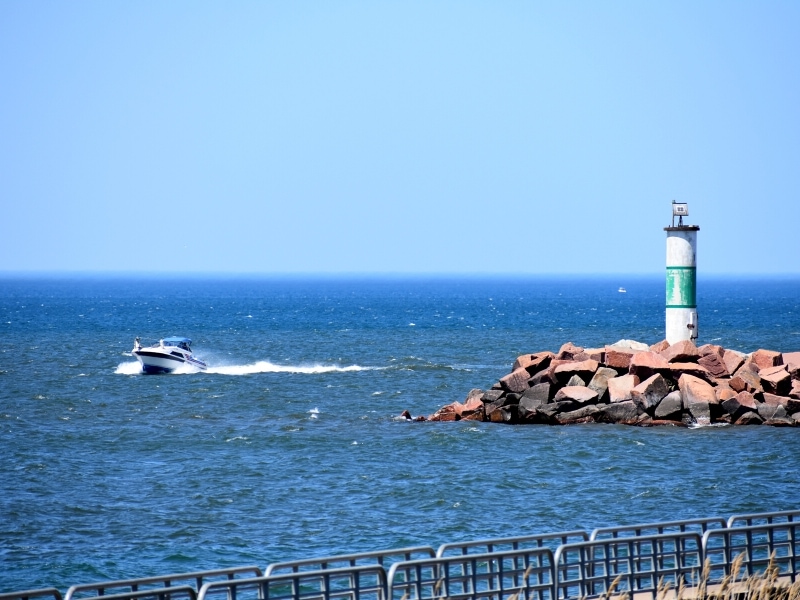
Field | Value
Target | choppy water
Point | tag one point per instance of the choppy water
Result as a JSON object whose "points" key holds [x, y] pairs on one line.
{"points": [[290, 446]]}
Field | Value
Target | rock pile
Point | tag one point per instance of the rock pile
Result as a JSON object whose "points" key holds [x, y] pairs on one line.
{"points": [[634, 384]]}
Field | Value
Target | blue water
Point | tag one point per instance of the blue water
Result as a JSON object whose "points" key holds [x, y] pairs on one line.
{"points": [[290, 446]]}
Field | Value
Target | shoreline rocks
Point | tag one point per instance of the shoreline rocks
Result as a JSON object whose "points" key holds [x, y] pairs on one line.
{"points": [[631, 383]]}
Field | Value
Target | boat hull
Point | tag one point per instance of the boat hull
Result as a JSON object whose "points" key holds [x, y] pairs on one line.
{"points": [[154, 362]]}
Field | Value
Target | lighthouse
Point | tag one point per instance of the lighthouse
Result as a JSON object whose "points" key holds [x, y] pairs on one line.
{"points": [[681, 313]]}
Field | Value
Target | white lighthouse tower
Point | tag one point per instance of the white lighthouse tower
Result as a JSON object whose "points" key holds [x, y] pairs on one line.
{"points": [[681, 277]]}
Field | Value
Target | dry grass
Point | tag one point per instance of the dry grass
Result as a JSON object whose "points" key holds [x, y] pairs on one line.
{"points": [[768, 585]]}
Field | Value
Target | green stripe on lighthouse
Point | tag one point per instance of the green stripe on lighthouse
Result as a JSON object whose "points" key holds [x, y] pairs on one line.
{"points": [[681, 287]]}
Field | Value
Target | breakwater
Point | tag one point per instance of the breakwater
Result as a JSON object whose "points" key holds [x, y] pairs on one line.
{"points": [[632, 383]]}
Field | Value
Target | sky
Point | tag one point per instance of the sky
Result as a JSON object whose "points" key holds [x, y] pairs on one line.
{"points": [[388, 137]]}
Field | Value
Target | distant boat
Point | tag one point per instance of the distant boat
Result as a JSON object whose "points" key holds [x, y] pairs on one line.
{"points": [[167, 355], [622, 290]]}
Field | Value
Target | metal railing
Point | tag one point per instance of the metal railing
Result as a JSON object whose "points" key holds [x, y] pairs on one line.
{"points": [[689, 525], [31, 594], [546, 540], [629, 564], [784, 516], [751, 550], [125, 586], [385, 558], [641, 559], [521, 574], [367, 582]]}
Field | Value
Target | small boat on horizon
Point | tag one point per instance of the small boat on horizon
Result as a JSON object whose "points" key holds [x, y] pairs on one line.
{"points": [[167, 355], [622, 290]]}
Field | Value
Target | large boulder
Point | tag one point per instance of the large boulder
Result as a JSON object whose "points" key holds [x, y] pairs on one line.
{"points": [[677, 369], [670, 407], [584, 369], [624, 413], [792, 405], [740, 404], [516, 381], [697, 396], [620, 388], [776, 380], [681, 352], [535, 396], [646, 364], [599, 382], [585, 414], [746, 380], [649, 392], [766, 358], [576, 393], [792, 362], [713, 363], [533, 363], [733, 360], [618, 357], [568, 351]]}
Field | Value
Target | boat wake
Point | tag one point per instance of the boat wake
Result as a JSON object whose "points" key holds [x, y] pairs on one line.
{"points": [[262, 366]]}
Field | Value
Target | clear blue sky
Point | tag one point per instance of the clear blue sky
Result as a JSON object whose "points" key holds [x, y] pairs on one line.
{"points": [[397, 137]]}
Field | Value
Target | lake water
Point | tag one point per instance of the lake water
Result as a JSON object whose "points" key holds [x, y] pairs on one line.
{"points": [[290, 445]]}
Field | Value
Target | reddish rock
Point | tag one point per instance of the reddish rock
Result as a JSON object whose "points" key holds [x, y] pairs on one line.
{"points": [[766, 358], [681, 352], [749, 418], [599, 382], [781, 422], [446, 413], [598, 354], [747, 400], [516, 381], [746, 380], [714, 364], [724, 393], [568, 351], [697, 396], [707, 349], [677, 369], [649, 392], [792, 362], [618, 357], [533, 363], [576, 393], [792, 405], [776, 380], [647, 364], [733, 360], [660, 346], [620, 388], [584, 369], [795, 391]]}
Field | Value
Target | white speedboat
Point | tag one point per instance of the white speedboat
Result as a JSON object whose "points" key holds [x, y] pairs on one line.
{"points": [[167, 355]]}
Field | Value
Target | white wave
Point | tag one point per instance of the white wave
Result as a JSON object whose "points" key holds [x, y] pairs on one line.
{"points": [[264, 366], [129, 368]]}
